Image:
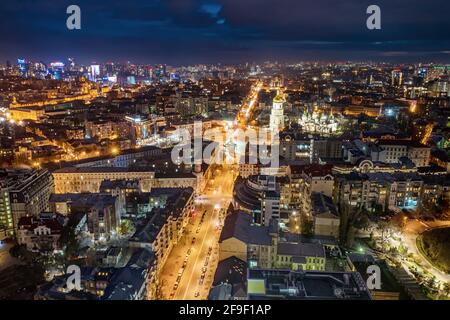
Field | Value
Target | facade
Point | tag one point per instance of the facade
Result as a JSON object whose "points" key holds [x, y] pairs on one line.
{"points": [[165, 226], [243, 240], [325, 216], [325, 148], [40, 232], [23, 193], [89, 179], [300, 256], [306, 179], [270, 207], [396, 149], [387, 190]]}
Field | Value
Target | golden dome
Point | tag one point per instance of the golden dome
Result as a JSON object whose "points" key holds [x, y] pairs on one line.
{"points": [[279, 99]]}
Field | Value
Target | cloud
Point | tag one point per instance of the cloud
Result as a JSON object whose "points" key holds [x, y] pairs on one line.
{"points": [[203, 30]]}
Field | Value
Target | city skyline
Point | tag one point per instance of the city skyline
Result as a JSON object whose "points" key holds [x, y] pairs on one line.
{"points": [[225, 150], [191, 32]]}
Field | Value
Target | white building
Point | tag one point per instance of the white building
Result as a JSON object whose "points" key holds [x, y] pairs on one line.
{"points": [[277, 114]]}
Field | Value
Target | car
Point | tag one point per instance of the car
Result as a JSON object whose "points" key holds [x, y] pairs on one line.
{"points": [[189, 251], [175, 286], [198, 230], [204, 269], [193, 240], [197, 294]]}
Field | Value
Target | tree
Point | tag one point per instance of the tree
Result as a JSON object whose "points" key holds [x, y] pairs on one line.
{"points": [[446, 288], [126, 227], [307, 227], [20, 251], [383, 227], [68, 240], [351, 218]]}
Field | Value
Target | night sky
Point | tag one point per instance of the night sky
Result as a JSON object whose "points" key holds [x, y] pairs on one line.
{"points": [[181, 32]]}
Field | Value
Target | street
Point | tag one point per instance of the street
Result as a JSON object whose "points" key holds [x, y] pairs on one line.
{"points": [[189, 270], [409, 236], [5, 258]]}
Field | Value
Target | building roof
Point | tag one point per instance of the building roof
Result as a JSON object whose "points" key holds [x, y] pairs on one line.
{"points": [[53, 222], [313, 170], [239, 225], [301, 249], [309, 285], [323, 205], [80, 170], [232, 271], [127, 282], [408, 143]]}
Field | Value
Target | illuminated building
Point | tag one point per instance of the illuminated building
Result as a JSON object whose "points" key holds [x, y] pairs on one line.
{"points": [[314, 122], [277, 114], [22, 193], [40, 232], [395, 149], [79, 180], [141, 127], [94, 72], [24, 67], [438, 88], [57, 70], [6, 217], [396, 78], [386, 190]]}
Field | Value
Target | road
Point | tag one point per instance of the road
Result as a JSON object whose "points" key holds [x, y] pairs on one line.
{"points": [[189, 270], [5, 259], [409, 236], [205, 248]]}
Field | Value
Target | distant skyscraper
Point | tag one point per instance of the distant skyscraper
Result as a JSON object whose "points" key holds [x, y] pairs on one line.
{"points": [[71, 64], [23, 67], [397, 78], [57, 70], [95, 72]]}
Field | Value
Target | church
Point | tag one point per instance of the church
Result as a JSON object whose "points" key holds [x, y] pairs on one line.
{"points": [[314, 122]]}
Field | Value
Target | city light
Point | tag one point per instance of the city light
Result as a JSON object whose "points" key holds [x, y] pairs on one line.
{"points": [[281, 170]]}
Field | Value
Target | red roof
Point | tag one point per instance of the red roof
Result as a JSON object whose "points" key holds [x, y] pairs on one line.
{"points": [[313, 170]]}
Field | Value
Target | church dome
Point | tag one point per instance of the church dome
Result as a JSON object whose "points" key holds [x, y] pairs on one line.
{"points": [[279, 99]]}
